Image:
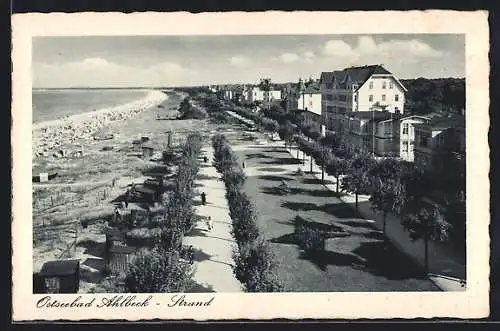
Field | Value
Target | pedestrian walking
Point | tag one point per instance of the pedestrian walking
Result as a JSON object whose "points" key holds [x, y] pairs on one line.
{"points": [[243, 164], [209, 223], [203, 198], [191, 254]]}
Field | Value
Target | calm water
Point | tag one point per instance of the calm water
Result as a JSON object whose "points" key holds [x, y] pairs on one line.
{"points": [[52, 104]]}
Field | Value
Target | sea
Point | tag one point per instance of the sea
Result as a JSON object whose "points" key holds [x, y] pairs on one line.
{"points": [[51, 104]]}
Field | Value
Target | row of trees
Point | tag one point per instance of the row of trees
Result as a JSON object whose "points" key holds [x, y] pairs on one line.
{"points": [[394, 186], [160, 269], [188, 111], [255, 265]]}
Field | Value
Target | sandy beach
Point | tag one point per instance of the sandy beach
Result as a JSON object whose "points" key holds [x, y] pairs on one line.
{"points": [[56, 134], [88, 186]]}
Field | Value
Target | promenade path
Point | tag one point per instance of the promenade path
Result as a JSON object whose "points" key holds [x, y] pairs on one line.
{"points": [[213, 248]]}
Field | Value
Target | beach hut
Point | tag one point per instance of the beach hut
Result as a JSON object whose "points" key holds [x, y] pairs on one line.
{"points": [[114, 238], [147, 150], [60, 276], [146, 193], [154, 183], [119, 258]]}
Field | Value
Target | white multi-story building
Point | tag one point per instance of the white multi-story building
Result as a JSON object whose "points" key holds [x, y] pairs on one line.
{"points": [[273, 95], [358, 89], [310, 102], [255, 94]]}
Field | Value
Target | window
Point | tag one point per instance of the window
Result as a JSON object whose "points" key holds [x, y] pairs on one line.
{"points": [[354, 86], [371, 85], [384, 85], [329, 108], [390, 85], [370, 98], [404, 147], [396, 97], [412, 145], [355, 98], [405, 128], [329, 97], [329, 86], [396, 109], [383, 97]]}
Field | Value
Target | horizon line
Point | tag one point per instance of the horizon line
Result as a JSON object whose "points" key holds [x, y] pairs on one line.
{"points": [[196, 85]]}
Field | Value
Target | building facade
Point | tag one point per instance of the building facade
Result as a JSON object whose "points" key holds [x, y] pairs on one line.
{"points": [[440, 144], [359, 89], [310, 102]]}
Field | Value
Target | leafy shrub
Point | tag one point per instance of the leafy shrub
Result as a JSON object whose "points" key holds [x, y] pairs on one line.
{"points": [[158, 271], [310, 240], [255, 267], [143, 236]]}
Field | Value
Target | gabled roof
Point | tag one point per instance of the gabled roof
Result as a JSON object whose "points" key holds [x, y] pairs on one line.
{"points": [[326, 77], [361, 74], [445, 122], [339, 75]]}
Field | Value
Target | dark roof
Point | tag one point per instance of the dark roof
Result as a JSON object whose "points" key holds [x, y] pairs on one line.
{"points": [[147, 145], [447, 122], [339, 75], [361, 74], [143, 189], [122, 249], [326, 76], [60, 268], [444, 122]]}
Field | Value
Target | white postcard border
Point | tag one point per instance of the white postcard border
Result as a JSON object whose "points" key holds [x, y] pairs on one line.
{"points": [[468, 304]]}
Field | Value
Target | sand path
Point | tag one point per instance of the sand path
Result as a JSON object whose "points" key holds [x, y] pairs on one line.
{"points": [[213, 249]]}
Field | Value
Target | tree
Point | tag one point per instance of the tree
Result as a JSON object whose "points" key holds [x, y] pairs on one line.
{"points": [[388, 192], [336, 166], [426, 225], [387, 196], [357, 179], [270, 125], [286, 132]]}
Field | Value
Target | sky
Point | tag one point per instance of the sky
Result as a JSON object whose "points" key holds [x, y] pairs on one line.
{"points": [[154, 61]]}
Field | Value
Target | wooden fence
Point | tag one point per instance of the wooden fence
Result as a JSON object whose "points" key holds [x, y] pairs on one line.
{"points": [[58, 199]]}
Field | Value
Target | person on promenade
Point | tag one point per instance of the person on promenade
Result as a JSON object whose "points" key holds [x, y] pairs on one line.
{"points": [[203, 198], [191, 254], [243, 164], [210, 224]]}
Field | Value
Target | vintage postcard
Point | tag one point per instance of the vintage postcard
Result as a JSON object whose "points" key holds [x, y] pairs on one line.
{"points": [[250, 165]]}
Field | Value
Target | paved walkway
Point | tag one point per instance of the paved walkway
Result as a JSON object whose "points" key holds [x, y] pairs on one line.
{"points": [[213, 248], [446, 268]]}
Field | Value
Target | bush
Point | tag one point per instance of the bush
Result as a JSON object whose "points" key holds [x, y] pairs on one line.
{"points": [[143, 236], [254, 264], [310, 240], [255, 267], [158, 271]]}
